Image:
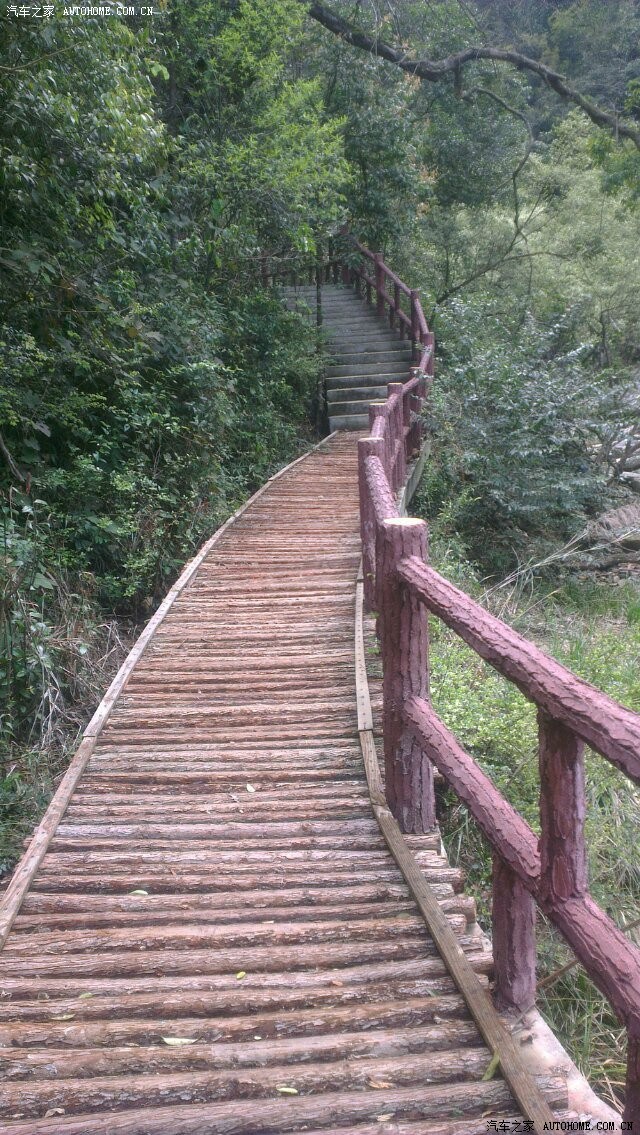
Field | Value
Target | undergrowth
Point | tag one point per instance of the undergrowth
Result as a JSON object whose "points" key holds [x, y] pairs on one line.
{"points": [[594, 629], [57, 655]]}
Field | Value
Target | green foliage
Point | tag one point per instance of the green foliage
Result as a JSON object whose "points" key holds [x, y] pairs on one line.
{"points": [[519, 422], [148, 381], [598, 43]]}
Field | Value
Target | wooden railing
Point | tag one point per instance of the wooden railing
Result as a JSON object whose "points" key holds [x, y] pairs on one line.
{"points": [[347, 261], [382, 287], [550, 870]]}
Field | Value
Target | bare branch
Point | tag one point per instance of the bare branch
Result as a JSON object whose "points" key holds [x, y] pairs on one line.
{"points": [[433, 71], [13, 467]]}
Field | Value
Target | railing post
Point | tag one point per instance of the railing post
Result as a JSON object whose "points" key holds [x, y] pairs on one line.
{"points": [[431, 342], [368, 447], [393, 311], [563, 856], [396, 422], [514, 940], [409, 774], [377, 410], [632, 1093], [379, 284], [415, 323], [415, 437], [406, 428], [319, 290]]}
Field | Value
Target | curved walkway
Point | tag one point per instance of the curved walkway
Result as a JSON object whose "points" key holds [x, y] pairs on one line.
{"points": [[217, 939]]}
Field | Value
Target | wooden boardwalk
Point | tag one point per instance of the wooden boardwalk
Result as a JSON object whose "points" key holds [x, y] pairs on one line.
{"points": [[217, 939]]}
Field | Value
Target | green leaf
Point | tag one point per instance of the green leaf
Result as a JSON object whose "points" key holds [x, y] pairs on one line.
{"points": [[492, 1067], [158, 69]]}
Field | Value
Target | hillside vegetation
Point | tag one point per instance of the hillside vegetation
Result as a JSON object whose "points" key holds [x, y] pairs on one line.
{"points": [[151, 378]]}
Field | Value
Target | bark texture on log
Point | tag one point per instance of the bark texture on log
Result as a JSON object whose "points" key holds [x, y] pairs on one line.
{"points": [[514, 940], [563, 854], [408, 772]]}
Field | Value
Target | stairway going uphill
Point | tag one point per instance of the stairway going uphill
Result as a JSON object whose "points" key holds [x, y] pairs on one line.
{"points": [[365, 354]]}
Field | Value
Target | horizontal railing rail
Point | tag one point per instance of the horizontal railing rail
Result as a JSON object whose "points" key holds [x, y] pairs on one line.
{"points": [[603, 723], [399, 585], [386, 289]]}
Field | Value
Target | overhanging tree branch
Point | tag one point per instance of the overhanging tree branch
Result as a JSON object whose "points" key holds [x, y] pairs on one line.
{"points": [[433, 71]]}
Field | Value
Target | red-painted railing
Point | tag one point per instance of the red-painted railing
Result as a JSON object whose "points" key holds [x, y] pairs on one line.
{"points": [[550, 871], [388, 290]]}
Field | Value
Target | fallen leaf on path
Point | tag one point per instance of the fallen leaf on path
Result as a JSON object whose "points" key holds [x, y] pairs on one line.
{"points": [[492, 1067]]}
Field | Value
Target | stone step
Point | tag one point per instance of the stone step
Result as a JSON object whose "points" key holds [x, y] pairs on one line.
{"points": [[355, 394], [357, 319], [349, 422], [399, 351], [374, 341], [384, 360], [356, 406], [358, 382], [387, 367]]}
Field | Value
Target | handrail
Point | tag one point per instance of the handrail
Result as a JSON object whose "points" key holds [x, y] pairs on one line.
{"points": [[413, 322], [399, 585], [603, 723]]}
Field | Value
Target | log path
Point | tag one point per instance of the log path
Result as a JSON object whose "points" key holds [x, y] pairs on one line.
{"points": [[217, 939]]}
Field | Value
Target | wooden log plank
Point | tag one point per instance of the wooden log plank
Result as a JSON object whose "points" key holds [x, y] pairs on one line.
{"points": [[215, 908], [233, 830], [172, 881], [416, 968], [198, 935], [36, 905], [126, 963], [234, 1001], [284, 1115], [121, 1092], [295, 1022], [195, 852], [29, 925], [110, 842]]}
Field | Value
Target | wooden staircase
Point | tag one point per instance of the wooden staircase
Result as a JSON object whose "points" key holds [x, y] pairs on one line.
{"points": [[365, 354]]}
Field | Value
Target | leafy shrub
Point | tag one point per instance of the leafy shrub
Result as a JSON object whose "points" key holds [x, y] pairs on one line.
{"points": [[512, 423]]}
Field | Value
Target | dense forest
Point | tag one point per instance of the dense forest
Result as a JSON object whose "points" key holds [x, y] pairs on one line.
{"points": [[151, 378]]}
